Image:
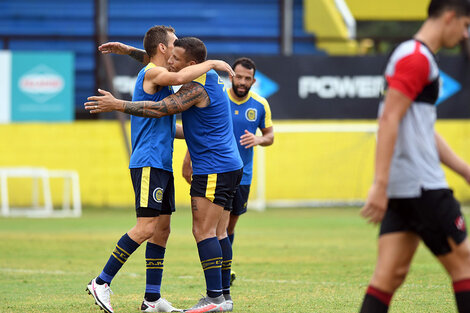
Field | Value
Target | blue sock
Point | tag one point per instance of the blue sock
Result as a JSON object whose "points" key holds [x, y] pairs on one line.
{"points": [[231, 238], [210, 255], [154, 255], [226, 247], [124, 248]]}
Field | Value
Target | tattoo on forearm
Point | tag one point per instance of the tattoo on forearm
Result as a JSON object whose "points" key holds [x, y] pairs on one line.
{"points": [[134, 108], [138, 55], [188, 95]]}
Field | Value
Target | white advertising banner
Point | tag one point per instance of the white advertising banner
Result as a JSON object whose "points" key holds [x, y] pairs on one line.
{"points": [[5, 86]]}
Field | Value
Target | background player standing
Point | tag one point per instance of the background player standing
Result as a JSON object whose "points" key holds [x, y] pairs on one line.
{"points": [[410, 195]]}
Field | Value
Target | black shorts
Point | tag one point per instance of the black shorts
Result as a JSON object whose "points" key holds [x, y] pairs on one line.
{"points": [[434, 216], [154, 191], [240, 200], [218, 188]]}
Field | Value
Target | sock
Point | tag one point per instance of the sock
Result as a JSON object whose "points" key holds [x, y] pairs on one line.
{"points": [[124, 248], [462, 295], [154, 255], [231, 238], [226, 247], [376, 301], [210, 255]]}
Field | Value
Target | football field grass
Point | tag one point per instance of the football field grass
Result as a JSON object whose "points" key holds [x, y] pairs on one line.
{"points": [[286, 260]]}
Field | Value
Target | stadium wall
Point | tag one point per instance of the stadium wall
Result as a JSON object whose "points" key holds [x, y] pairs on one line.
{"points": [[298, 165], [325, 87], [397, 10]]}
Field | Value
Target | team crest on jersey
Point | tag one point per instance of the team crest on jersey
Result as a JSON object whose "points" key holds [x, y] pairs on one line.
{"points": [[158, 195], [251, 114], [460, 223], [221, 82]]}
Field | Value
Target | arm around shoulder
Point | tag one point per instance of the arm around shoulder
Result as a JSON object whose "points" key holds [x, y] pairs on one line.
{"points": [[163, 77], [123, 49]]}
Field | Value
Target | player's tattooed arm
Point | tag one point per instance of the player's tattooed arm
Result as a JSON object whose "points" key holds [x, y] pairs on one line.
{"points": [[123, 49], [189, 94], [139, 55]]}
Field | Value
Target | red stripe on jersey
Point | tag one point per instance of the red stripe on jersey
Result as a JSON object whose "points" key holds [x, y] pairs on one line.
{"points": [[411, 74], [384, 297], [462, 285]]}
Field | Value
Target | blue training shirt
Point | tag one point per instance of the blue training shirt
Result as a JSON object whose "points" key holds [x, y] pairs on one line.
{"points": [[249, 114], [209, 132], [152, 138]]}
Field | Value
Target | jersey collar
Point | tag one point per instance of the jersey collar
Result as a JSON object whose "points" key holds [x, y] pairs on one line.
{"points": [[236, 101]]}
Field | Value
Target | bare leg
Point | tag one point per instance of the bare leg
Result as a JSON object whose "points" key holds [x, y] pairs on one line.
{"points": [[162, 231], [395, 253], [144, 229], [223, 225], [457, 264], [206, 217], [232, 223]]}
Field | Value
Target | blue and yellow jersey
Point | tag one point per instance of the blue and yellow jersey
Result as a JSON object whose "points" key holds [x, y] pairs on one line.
{"points": [[209, 132], [249, 114], [152, 138]]}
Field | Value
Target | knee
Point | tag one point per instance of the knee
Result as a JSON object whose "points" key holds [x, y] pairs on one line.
{"points": [[165, 232], [147, 231], [201, 233], [221, 235], [389, 280]]}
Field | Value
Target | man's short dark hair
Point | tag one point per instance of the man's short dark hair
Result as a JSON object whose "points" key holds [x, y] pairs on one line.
{"points": [[155, 36], [437, 7], [246, 63], [195, 49]]}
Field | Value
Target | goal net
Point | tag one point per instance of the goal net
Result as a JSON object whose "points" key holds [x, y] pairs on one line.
{"points": [[314, 164]]}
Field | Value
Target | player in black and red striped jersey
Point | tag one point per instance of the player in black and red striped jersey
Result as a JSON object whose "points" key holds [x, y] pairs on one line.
{"points": [[410, 195]]}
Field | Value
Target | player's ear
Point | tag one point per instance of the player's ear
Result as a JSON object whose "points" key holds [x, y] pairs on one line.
{"points": [[254, 81], [162, 48], [449, 15]]}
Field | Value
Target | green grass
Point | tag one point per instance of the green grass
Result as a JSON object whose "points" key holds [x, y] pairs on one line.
{"points": [[286, 260]]}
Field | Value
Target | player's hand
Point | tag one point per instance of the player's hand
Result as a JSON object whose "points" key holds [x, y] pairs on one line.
{"points": [[223, 66], [104, 103], [376, 204], [114, 47], [187, 170], [249, 140]]}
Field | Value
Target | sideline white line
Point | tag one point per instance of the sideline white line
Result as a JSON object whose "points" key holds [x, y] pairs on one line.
{"points": [[26, 271], [271, 281], [47, 272]]}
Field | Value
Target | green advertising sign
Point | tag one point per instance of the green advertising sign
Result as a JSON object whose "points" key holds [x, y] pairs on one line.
{"points": [[42, 86]]}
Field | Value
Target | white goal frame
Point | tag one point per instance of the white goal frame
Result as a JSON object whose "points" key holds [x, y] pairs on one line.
{"points": [[71, 192], [260, 203]]}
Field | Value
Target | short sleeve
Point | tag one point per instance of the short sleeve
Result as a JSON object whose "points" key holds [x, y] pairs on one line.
{"points": [[266, 121], [411, 75]]}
